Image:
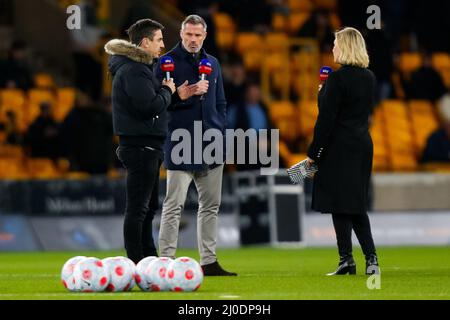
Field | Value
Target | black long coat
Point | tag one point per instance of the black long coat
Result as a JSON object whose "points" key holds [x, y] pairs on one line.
{"points": [[342, 146]]}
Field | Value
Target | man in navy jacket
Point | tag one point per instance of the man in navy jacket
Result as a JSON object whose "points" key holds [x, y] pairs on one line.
{"points": [[206, 109]]}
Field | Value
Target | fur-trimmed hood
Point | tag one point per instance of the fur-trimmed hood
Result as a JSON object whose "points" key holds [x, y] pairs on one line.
{"points": [[125, 48]]}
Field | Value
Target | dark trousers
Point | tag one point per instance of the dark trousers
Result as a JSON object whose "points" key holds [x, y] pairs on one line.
{"points": [[343, 225], [142, 190]]}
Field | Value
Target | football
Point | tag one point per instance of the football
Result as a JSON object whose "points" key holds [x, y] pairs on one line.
{"points": [[184, 274]]}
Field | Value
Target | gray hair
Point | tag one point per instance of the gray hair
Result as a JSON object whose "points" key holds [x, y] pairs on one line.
{"points": [[194, 19]]}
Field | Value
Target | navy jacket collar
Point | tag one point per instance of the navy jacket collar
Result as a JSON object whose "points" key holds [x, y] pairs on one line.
{"points": [[182, 52]]}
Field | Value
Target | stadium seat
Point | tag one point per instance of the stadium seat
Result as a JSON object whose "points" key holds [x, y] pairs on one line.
{"points": [[441, 62], [307, 116], [11, 152], [276, 42], [296, 5], [253, 60], [226, 29], [401, 162], [296, 21], [224, 22], [12, 169], [12, 99], [327, 59], [409, 62], [42, 168], [281, 109], [249, 41], [280, 22], [65, 101], [335, 21], [423, 121], [44, 81], [225, 40]]}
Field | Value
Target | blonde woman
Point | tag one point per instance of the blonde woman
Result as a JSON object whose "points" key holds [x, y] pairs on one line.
{"points": [[342, 148]]}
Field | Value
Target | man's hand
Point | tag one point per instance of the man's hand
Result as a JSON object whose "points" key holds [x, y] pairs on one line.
{"points": [[201, 87], [185, 91], [310, 161], [169, 83]]}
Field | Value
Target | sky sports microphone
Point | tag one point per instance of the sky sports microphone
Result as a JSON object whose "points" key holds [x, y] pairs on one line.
{"points": [[167, 66], [324, 73], [204, 69]]}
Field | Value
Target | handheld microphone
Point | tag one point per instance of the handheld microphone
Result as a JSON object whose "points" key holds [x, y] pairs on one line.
{"points": [[324, 73], [205, 69], [167, 66]]}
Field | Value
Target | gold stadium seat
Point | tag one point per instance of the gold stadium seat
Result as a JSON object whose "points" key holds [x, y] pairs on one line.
{"points": [[276, 41], [335, 21], [280, 22], [281, 110], [12, 169], [44, 81], [249, 41], [225, 39], [42, 168], [409, 62], [403, 162], [327, 59], [65, 101], [307, 116], [224, 22], [296, 5], [253, 60], [12, 99], [441, 62], [297, 20], [225, 26]]}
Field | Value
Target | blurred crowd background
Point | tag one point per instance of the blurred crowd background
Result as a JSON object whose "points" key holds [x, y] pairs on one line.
{"points": [[55, 110]]}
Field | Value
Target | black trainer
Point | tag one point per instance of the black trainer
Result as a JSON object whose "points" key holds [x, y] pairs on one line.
{"points": [[214, 269]]}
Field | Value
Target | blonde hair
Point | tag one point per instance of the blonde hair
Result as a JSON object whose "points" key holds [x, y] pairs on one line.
{"points": [[353, 48]]}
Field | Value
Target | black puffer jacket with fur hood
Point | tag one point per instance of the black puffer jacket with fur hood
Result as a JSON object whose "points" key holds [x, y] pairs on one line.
{"points": [[139, 100]]}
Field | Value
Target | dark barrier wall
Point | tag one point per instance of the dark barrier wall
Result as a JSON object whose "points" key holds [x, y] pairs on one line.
{"points": [[97, 196]]}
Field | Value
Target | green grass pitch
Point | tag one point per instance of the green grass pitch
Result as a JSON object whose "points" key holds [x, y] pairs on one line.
{"points": [[264, 273]]}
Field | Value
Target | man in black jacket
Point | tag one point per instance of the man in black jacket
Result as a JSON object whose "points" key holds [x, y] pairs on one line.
{"points": [[140, 120]]}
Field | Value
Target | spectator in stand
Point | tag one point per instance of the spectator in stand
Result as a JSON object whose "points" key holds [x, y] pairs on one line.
{"points": [[42, 138], [88, 71], [12, 131], [250, 15], [88, 136], [234, 81], [426, 83], [438, 145], [381, 62], [318, 26], [250, 113], [15, 72]]}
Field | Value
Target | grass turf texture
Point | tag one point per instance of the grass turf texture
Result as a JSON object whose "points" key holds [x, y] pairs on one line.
{"points": [[264, 273]]}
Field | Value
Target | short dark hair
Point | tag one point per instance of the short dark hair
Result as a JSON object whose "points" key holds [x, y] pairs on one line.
{"points": [[144, 28], [194, 19]]}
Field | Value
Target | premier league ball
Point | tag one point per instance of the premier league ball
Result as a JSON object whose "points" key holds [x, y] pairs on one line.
{"points": [[121, 274], [184, 274], [67, 278], [156, 274], [141, 276], [91, 275]]}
